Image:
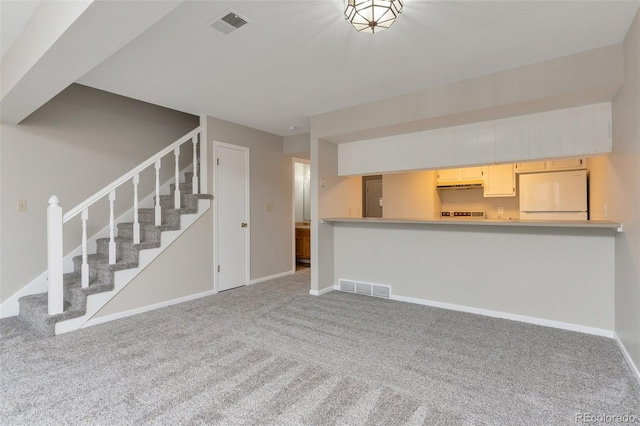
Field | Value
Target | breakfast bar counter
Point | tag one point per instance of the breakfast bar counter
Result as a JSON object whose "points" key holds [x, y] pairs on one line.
{"points": [[588, 224], [557, 273]]}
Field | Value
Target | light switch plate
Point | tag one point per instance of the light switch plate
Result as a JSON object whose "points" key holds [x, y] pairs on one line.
{"points": [[268, 208], [21, 206], [500, 210]]}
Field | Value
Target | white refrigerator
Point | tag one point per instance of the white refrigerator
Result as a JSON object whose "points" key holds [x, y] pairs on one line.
{"points": [[554, 196]]}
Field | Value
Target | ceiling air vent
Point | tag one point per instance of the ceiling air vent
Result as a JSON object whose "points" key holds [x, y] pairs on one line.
{"points": [[229, 22]]}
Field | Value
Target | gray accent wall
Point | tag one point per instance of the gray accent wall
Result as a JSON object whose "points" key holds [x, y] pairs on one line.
{"points": [[271, 182], [73, 146]]}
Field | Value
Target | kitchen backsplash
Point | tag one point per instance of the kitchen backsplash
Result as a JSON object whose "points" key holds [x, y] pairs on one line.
{"points": [[473, 199]]}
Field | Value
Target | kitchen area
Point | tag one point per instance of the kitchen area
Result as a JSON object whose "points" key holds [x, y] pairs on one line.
{"points": [[542, 190], [528, 239]]}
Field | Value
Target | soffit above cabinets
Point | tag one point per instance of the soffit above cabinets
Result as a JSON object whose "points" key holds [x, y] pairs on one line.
{"points": [[570, 132]]}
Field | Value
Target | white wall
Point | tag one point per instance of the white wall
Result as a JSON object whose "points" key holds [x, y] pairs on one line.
{"points": [[624, 189], [271, 183], [563, 275], [73, 146]]}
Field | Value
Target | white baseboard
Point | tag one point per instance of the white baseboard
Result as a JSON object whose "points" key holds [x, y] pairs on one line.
{"points": [[272, 277], [119, 315], [10, 307], [627, 357], [321, 292], [504, 315]]}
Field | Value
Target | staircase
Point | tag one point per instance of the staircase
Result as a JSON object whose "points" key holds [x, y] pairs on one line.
{"points": [[116, 253]]}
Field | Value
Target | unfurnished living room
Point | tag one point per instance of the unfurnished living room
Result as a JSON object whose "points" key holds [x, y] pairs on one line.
{"points": [[319, 212]]}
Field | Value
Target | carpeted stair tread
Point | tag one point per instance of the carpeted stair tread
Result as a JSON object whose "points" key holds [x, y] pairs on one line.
{"points": [[34, 308]]}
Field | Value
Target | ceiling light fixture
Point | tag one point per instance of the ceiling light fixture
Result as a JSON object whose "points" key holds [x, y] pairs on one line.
{"points": [[372, 16]]}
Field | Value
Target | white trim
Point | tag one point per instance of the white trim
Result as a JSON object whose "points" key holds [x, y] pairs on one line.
{"points": [[10, 307], [627, 357], [204, 157], [322, 291], [217, 144], [122, 278], [505, 315], [136, 311], [272, 277]]}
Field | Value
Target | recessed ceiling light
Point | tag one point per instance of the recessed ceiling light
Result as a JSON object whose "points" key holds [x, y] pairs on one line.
{"points": [[292, 127]]}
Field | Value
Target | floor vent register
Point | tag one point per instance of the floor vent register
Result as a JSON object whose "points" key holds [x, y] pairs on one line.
{"points": [[367, 289]]}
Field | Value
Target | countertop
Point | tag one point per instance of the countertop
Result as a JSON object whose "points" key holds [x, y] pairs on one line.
{"points": [[601, 224]]}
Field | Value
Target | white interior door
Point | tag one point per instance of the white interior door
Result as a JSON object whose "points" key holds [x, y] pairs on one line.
{"points": [[232, 216]]}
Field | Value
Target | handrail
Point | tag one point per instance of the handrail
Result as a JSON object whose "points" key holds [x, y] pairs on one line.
{"points": [[127, 176]]}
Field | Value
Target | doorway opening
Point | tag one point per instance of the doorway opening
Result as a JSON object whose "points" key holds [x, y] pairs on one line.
{"points": [[301, 213], [372, 196]]}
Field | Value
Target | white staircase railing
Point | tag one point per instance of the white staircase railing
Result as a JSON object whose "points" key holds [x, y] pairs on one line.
{"points": [[56, 220]]}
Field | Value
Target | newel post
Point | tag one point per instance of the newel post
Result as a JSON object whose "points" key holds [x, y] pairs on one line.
{"points": [[55, 256]]}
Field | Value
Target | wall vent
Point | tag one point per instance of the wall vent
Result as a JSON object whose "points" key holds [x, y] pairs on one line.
{"points": [[349, 286], [376, 290], [230, 22]]}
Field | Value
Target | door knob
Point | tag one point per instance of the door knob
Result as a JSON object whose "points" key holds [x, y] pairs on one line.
{"points": [[244, 224]]}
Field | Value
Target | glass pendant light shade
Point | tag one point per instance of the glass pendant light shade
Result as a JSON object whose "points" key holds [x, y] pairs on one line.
{"points": [[372, 16]]}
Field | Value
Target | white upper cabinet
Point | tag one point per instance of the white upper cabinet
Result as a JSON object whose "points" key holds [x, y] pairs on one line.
{"points": [[567, 164], [465, 173], [571, 132], [531, 166], [499, 181], [556, 164], [470, 173]]}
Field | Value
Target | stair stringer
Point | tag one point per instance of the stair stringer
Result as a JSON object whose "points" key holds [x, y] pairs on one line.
{"points": [[10, 307], [122, 278]]}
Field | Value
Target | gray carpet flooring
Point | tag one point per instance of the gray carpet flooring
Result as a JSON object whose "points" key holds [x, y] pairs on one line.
{"points": [[272, 354]]}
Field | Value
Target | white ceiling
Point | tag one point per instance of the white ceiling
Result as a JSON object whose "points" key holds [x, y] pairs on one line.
{"points": [[14, 16], [300, 58]]}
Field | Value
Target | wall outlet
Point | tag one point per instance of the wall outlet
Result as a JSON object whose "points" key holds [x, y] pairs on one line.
{"points": [[605, 210], [22, 206], [268, 208], [500, 210]]}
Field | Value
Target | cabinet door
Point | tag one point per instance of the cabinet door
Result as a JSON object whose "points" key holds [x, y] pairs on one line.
{"points": [[500, 181], [447, 175], [471, 173], [567, 164], [532, 166], [306, 248], [299, 246]]}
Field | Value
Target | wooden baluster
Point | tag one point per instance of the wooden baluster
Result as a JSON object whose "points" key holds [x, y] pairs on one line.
{"points": [[158, 208], [194, 179], [85, 264], [55, 257], [112, 229], [176, 193], [136, 223]]}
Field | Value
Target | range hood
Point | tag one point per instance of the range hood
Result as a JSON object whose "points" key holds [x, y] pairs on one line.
{"points": [[461, 184]]}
